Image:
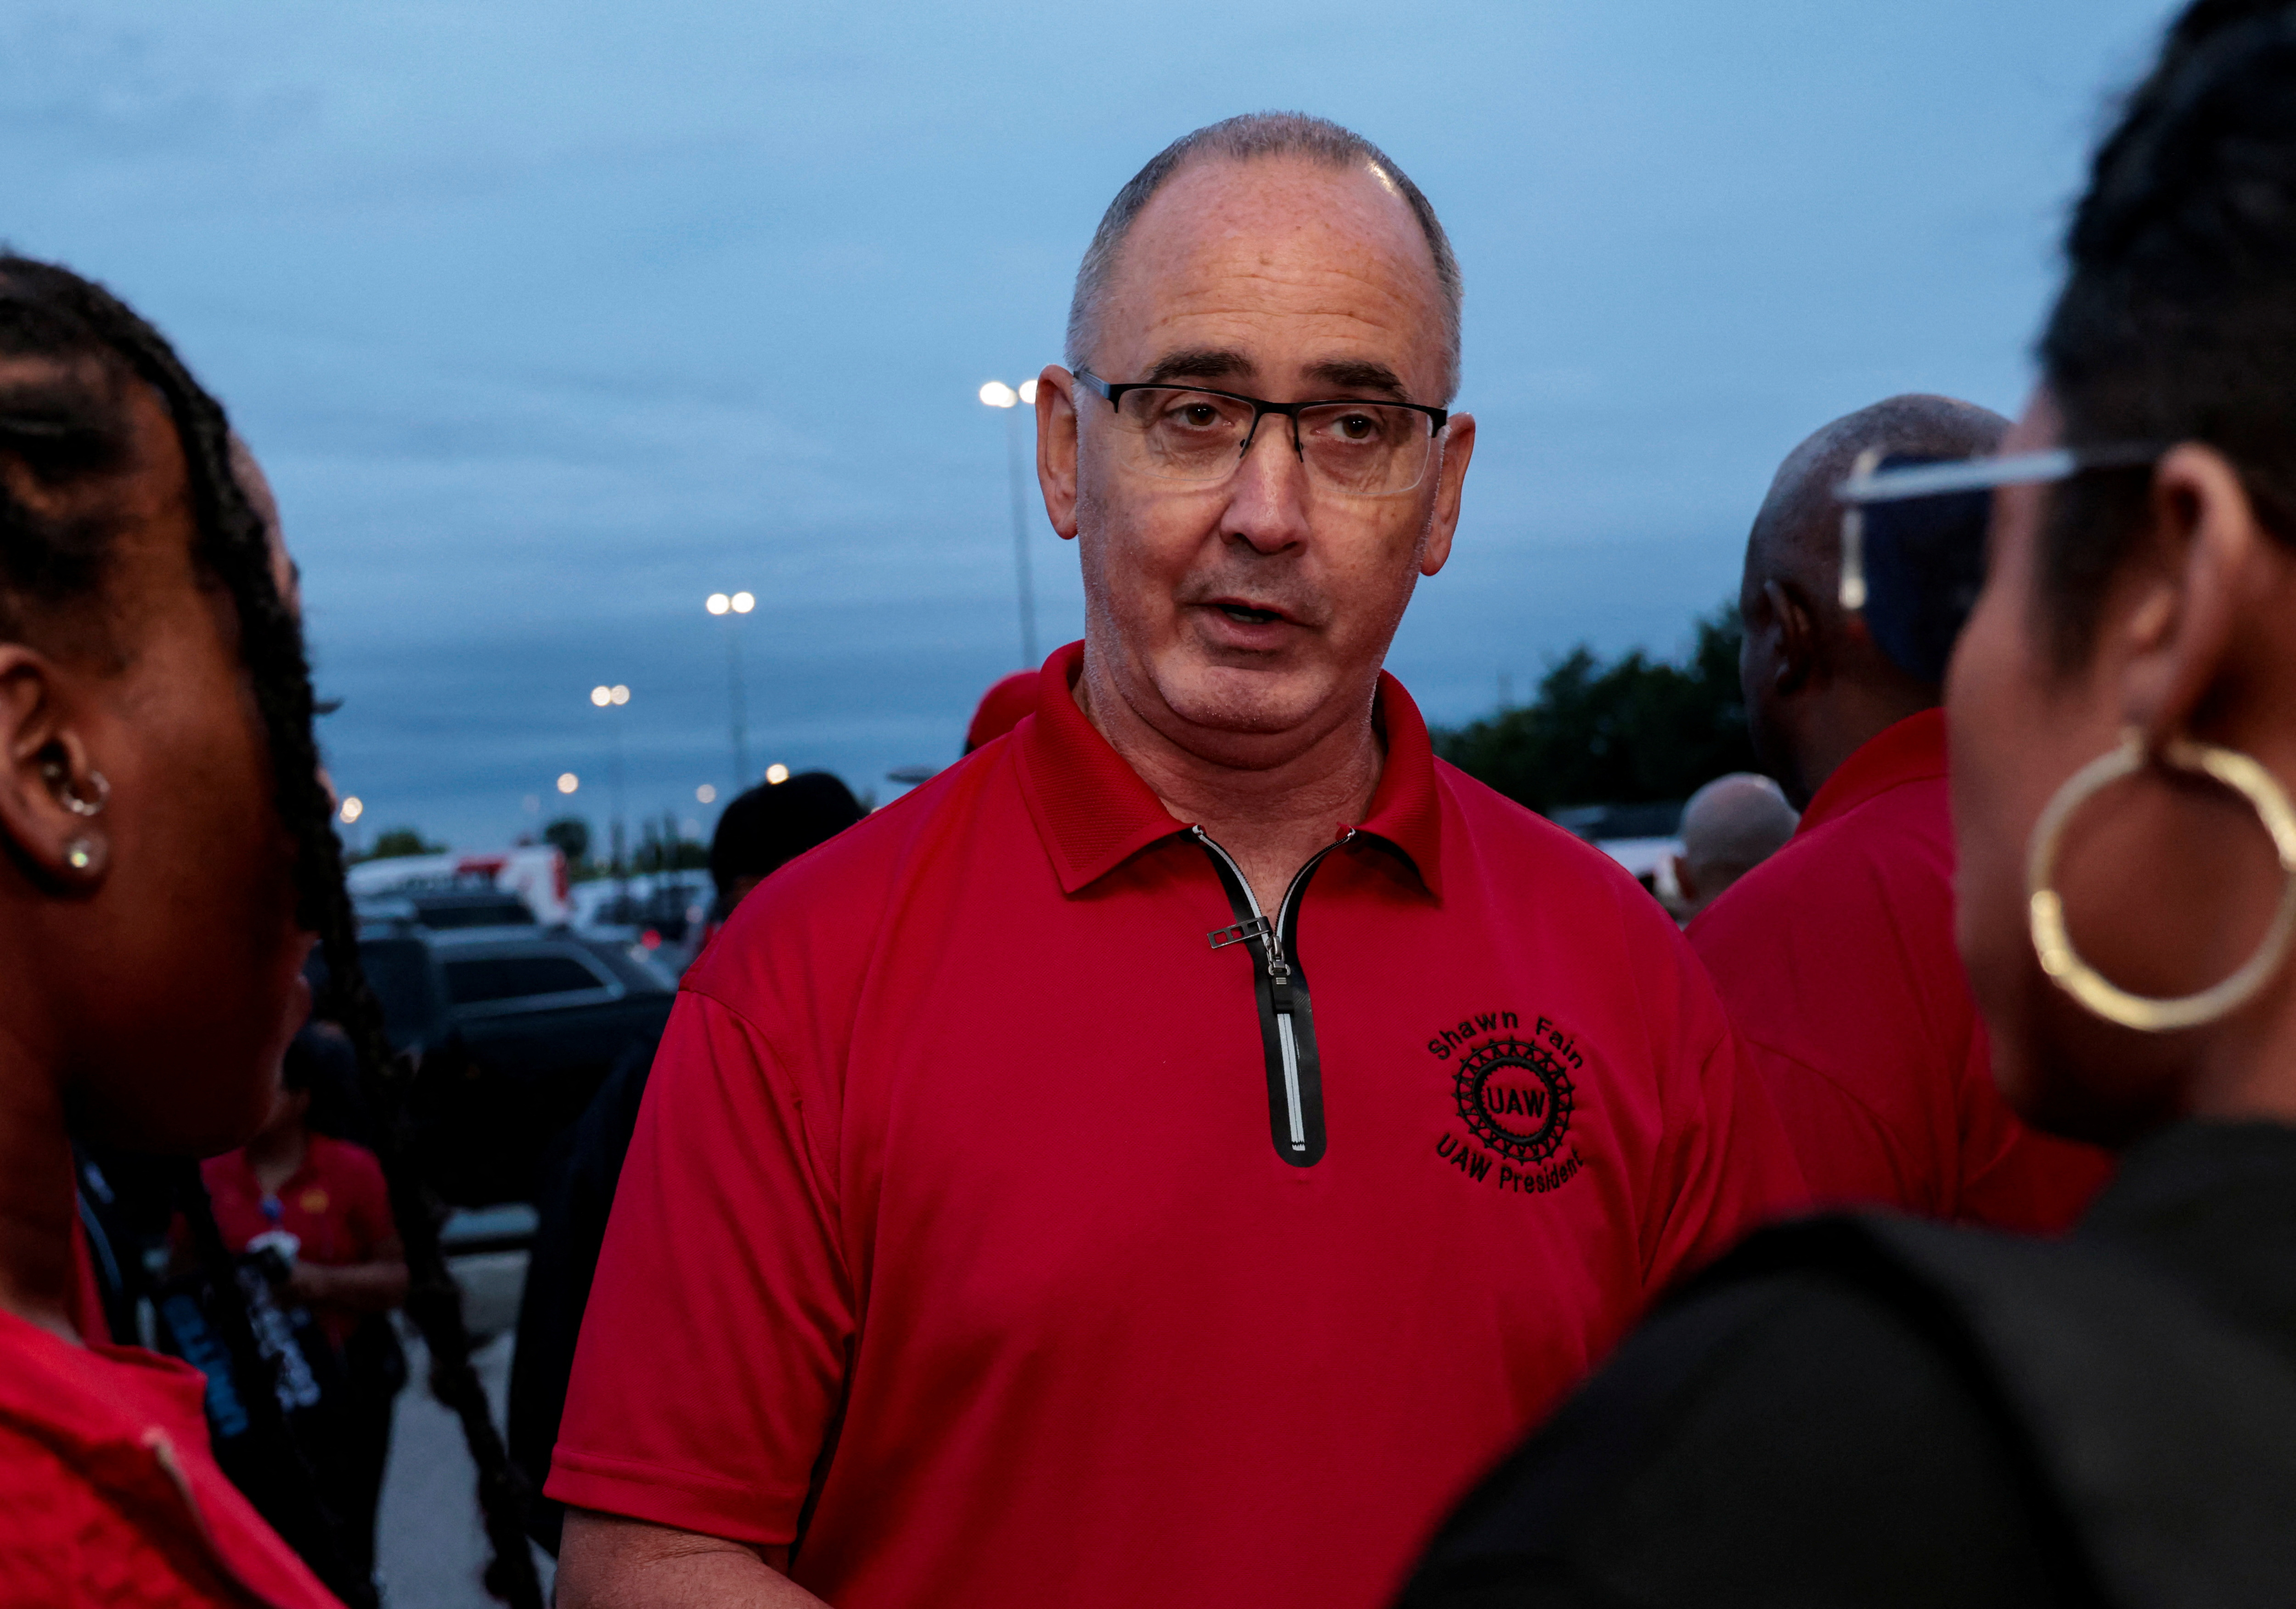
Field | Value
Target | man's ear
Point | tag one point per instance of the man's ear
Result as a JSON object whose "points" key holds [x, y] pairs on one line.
{"points": [[51, 791], [1458, 447], [1797, 627], [2210, 564], [1056, 447]]}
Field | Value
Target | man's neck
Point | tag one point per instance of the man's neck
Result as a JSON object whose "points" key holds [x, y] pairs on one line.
{"points": [[1844, 726], [1270, 820], [36, 1194]]}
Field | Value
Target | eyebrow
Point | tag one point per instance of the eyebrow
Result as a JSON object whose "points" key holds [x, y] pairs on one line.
{"points": [[1358, 374], [1221, 362], [1201, 362]]}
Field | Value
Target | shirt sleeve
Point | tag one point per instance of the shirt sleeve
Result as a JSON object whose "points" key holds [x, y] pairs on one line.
{"points": [[714, 1347]]}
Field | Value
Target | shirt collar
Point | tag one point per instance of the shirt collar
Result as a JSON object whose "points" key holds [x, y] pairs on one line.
{"points": [[1909, 751], [1094, 812]]}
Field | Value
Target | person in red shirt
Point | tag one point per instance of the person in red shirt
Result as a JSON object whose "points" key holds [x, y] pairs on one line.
{"points": [[328, 1194], [1162, 1159], [1835, 956], [349, 1270], [1001, 708], [158, 791]]}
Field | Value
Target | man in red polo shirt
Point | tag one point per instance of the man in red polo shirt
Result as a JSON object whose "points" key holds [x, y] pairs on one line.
{"points": [[1163, 1158], [1836, 956]]}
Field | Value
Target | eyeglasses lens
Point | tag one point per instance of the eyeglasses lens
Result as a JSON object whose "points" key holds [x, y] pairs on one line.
{"points": [[1359, 448]]}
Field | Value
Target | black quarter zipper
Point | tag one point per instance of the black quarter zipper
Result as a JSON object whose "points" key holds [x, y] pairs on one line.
{"points": [[1287, 1023]]}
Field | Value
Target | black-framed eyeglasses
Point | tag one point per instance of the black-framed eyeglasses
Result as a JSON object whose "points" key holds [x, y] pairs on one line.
{"points": [[1913, 533], [1352, 446]]}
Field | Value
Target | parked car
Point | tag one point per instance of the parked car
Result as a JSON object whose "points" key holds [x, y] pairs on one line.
{"points": [[514, 1027], [441, 909]]}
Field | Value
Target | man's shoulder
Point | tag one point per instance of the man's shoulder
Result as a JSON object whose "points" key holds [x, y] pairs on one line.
{"points": [[1891, 855], [1515, 837]]}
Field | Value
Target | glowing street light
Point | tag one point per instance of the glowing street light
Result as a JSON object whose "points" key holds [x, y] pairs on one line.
{"points": [[612, 697], [776, 774], [730, 605], [568, 781], [706, 794], [353, 809], [996, 393]]}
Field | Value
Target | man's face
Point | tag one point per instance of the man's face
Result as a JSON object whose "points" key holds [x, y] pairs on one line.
{"points": [[1242, 616]]}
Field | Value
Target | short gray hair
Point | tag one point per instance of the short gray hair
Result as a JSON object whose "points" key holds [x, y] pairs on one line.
{"points": [[1244, 139]]}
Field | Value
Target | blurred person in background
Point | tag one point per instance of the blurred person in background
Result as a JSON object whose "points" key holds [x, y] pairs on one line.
{"points": [[345, 1263], [1003, 706], [1730, 826], [157, 783], [766, 827], [1158, 1160], [759, 832], [1868, 1409], [1836, 957]]}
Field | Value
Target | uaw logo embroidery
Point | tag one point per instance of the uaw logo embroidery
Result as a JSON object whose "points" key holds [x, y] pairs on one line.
{"points": [[1516, 1097], [1514, 1093]]}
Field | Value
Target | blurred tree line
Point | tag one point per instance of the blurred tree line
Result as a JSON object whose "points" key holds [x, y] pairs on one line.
{"points": [[1632, 731], [662, 846]]}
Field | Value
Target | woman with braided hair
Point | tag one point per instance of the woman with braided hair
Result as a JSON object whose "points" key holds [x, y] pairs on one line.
{"points": [[167, 863]]}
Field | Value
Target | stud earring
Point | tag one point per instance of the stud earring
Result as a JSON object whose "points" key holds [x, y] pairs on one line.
{"points": [[85, 855]]}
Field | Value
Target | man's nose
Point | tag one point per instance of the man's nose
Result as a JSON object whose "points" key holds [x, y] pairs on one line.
{"points": [[1267, 499]]}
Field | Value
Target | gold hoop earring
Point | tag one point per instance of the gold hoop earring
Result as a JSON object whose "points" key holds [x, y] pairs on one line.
{"points": [[2054, 943]]}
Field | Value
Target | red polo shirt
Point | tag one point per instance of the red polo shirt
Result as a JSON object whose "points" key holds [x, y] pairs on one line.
{"points": [[1836, 959], [108, 1493], [337, 1204], [985, 1226]]}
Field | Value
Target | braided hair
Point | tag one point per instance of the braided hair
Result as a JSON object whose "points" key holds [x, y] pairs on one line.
{"points": [[2178, 318], [47, 310]]}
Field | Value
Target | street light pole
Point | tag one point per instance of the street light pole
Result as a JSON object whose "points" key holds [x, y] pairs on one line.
{"points": [[733, 606], [998, 395], [607, 699]]}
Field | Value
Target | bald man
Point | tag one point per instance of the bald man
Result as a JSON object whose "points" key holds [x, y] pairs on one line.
{"points": [[1160, 1160], [1730, 826], [1836, 956]]}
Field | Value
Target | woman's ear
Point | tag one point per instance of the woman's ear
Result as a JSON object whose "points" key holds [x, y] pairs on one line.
{"points": [[51, 793], [2211, 564]]}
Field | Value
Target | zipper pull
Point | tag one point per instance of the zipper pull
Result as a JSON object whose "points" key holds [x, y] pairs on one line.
{"points": [[1279, 986], [1239, 933]]}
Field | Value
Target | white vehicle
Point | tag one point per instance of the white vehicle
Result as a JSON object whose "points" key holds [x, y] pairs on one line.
{"points": [[536, 873]]}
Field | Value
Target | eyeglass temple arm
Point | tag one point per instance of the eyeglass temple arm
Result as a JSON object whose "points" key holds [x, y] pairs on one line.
{"points": [[1867, 484]]}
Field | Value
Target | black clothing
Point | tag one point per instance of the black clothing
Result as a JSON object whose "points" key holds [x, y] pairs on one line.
{"points": [[574, 1198], [1865, 1411]]}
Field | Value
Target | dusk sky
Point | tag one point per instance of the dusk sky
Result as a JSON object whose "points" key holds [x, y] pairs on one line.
{"points": [[549, 320]]}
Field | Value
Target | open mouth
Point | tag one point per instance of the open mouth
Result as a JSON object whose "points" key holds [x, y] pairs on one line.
{"points": [[1248, 616]]}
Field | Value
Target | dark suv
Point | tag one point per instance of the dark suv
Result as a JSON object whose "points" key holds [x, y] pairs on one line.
{"points": [[516, 1028]]}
